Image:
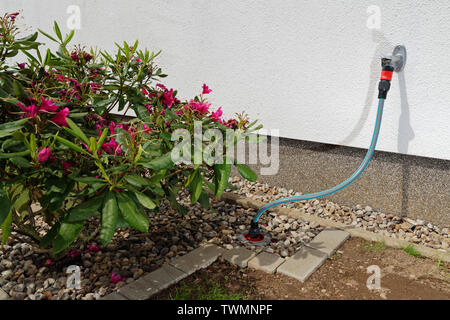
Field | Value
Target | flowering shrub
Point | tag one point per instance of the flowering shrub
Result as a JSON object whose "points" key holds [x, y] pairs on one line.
{"points": [[61, 146]]}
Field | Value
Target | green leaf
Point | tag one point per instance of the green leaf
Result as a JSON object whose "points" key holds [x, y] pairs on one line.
{"points": [[5, 205], [6, 228], [131, 214], [13, 154], [246, 172], [157, 177], [195, 186], [221, 175], [136, 180], [21, 162], [69, 144], [145, 200], [47, 35], [67, 234], [76, 131], [85, 209], [171, 196], [33, 146], [57, 31], [87, 180], [121, 223], [69, 37], [204, 200], [110, 214], [18, 89], [50, 236], [102, 138], [160, 163], [8, 128]]}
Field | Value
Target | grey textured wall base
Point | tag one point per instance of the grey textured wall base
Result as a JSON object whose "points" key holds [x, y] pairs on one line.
{"points": [[411, 186]]}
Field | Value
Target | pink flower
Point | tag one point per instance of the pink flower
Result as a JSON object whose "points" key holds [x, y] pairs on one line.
{"points": [[122, 126], [30, 111], [144, 91], [160, 85], [204, 108], [200, 107], [48, 106], [206, 90], [112, 147], [60, 117], [44, 154], [111, 127], [66, 166], [93, 248], [230, 123], [95, 87], [21, 65], [168, 98], [116, 278], [147, 129], [48, 262], [216, 115], [73, 254], [13, 15]]}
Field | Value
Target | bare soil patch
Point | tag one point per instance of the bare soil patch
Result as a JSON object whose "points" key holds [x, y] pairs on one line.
{"points": [[343, 276]]}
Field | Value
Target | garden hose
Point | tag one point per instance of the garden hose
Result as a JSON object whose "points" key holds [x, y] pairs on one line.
{"points": [[389, 64]]}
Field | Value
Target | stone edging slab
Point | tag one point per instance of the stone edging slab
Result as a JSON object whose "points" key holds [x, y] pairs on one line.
{"points": [[300, 266], [354, 231], [179, 268]]}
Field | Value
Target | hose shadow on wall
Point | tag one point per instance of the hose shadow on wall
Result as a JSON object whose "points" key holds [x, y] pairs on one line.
{"points": [[405, 131], [405, 135], [383, 46]]}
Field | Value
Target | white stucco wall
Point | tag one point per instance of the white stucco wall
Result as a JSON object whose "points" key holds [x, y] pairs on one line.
{"points": [[308, 68]]}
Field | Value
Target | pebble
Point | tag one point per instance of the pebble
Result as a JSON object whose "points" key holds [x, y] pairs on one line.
{"points": [[133, 254], [358, 216]]}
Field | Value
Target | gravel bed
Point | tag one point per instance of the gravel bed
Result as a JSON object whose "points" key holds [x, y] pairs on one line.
{"points": [[413, 230], [28, 273]]}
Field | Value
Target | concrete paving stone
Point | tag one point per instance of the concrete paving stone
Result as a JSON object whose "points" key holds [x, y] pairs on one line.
{"points": [[238, 256], [303, 263], [198, 258], [114, 296], [267, 262], [152, 283], [329, 240]]}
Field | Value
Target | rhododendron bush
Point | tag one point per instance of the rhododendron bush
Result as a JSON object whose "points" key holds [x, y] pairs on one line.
{"points": [[61, 147]]}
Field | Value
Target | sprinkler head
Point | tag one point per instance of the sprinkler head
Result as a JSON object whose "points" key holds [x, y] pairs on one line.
{"points": [[255, 235]]}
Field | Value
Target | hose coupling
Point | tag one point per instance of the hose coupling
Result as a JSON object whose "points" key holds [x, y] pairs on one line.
{"points": [[386, 77]]}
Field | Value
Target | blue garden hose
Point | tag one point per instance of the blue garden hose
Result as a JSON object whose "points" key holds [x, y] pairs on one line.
{"points": [[389, 64], [343, 184]]}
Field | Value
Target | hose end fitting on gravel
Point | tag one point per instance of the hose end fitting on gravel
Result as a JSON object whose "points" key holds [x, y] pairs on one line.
{"points": [[255, 236]]}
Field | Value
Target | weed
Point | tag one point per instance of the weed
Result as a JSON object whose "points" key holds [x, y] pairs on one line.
{"points": [[209, 290], [412, 251], [379, 245]]}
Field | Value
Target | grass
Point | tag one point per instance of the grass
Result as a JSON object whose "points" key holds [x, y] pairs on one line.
{"points": [[445, 267], [377, 246], [412, 251], [209, 290]]}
